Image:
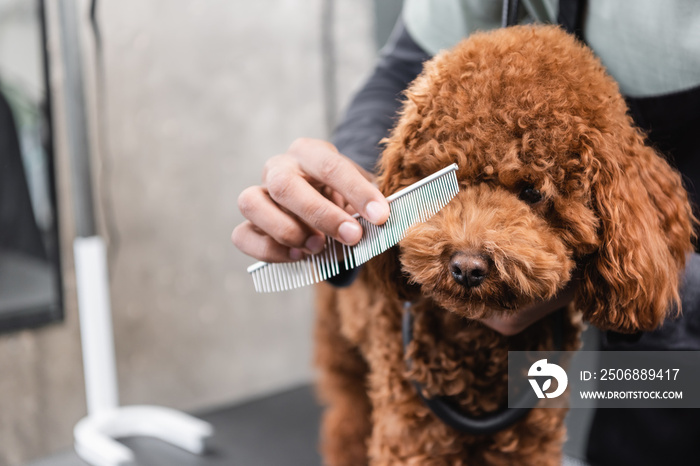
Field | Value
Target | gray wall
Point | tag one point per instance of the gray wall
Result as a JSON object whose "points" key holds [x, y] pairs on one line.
{"points": [[198, 94]]}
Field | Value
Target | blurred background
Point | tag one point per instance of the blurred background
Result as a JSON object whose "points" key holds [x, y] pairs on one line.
{"points": [[186, 100]]}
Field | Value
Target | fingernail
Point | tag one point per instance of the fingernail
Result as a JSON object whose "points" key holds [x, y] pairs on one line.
{"points": [[350, 232], [295, 254], [375, 212], [315, 244]]}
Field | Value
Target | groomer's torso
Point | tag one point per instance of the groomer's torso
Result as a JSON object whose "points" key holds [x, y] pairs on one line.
{"points": [[650, 47]]}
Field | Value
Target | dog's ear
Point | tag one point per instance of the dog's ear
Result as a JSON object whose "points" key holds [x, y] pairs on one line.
{"points": [[646, 229]]}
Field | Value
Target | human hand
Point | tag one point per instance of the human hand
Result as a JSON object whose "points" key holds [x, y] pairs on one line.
{"points": [[306, 193], [513, 324]]}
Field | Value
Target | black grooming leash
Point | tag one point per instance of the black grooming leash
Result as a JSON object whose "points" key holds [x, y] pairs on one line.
{"points": [[451, 415]]}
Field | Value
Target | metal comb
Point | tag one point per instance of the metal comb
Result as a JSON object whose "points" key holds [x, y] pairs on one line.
{"points": [[413, 204]]}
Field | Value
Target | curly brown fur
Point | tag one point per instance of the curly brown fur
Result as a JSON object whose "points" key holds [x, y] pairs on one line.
{"points": [[516, 109]]}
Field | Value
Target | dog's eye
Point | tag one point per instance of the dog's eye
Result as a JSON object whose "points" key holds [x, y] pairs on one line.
{"points": [[530, 195]]}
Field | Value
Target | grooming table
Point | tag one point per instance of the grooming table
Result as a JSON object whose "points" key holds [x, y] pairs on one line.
{"points": [[276, 430]]}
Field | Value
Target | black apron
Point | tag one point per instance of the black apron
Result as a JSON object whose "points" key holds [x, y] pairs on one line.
{"points": [[654, 436]]}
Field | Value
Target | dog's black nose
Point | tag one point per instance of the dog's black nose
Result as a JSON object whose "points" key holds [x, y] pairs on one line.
{"points": [[469, 269]]}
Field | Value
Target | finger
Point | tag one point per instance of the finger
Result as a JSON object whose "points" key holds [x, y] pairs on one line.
{"points": [[255, 205], [505, 325], [295, 194], [336, 198], [513, 324], [323, 163], [260, 246]]}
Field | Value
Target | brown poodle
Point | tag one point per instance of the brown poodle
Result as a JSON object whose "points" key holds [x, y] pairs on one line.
{"points": [[555, 183]]}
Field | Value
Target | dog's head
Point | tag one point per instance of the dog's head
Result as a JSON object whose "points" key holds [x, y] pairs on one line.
{"points": [[555, 182]]}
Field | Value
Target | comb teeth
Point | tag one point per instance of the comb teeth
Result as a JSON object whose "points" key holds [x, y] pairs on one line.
{"points": [[414, 204]]}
